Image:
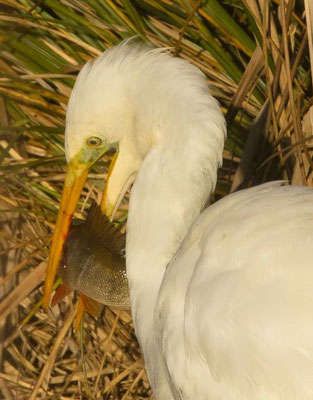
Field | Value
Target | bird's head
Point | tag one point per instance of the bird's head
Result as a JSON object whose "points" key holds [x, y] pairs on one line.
{"points": [[99, 118]]}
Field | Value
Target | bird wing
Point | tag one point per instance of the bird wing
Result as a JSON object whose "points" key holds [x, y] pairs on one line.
{"points": [[239, 299]]}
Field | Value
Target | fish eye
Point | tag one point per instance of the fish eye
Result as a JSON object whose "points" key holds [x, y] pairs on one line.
{"points": [[94, 142]]}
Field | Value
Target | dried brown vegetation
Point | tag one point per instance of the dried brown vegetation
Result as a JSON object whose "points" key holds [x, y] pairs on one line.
{"points": [[255, 54]]}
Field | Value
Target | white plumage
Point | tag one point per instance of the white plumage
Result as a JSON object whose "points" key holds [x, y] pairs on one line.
{"points": [[235, 305], [222, 302]]}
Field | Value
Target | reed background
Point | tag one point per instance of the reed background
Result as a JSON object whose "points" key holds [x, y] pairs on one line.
{"points": [[255, 54]]}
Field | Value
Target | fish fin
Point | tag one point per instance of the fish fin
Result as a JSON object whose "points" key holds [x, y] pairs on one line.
{"points": [[79, 314], [61, 292], [92, 306], [100, 229]]}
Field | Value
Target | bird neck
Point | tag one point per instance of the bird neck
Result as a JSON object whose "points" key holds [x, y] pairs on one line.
{"points": [[173, 185]]}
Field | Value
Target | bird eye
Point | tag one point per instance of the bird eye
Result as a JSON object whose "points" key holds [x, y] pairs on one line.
{"points": [[94, 141]]}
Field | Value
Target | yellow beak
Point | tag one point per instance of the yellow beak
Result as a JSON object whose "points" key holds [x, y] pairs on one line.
{"points": [[76, 175]]}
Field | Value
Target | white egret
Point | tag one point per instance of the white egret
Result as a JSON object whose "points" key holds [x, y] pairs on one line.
{"points": [[222, 301]]}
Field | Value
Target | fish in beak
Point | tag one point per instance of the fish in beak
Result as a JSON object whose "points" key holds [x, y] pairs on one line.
{"points": [[93, 264], [121, 175]]}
